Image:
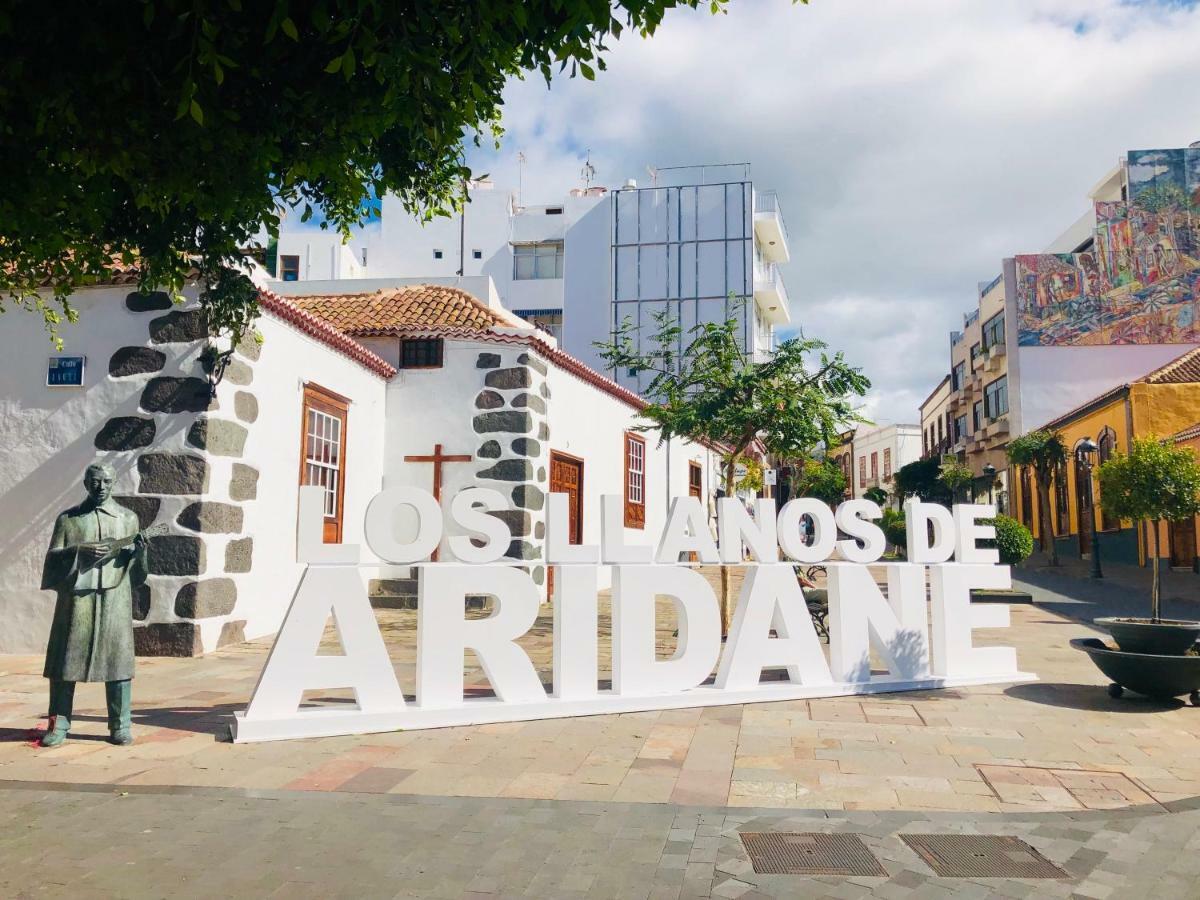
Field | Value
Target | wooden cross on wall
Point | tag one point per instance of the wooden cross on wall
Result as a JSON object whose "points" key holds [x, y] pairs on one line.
{"points": [[437, 459]]}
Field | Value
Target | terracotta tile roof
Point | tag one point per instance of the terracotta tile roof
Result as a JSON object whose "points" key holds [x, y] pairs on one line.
{"points": [[283, 308], [404, 309], [1189, 433], [1183, 369]]}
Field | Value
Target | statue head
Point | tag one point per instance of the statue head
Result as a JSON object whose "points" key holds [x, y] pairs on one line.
{"points": [[98, 480]]}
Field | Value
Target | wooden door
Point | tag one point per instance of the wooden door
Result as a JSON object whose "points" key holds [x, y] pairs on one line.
{"points": [[323, 452], [1083, 506], [1183, 543], [566, 477]]}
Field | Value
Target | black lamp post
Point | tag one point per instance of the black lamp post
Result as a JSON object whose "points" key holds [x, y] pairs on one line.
{"points": [[989, 472], [1085, 452]]}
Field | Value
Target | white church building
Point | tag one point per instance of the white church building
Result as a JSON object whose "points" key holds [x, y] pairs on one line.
{"points": [[422, 385], [686, 243]]}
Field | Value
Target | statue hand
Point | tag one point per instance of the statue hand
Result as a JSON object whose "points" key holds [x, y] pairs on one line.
{"points": [[90, 554]]}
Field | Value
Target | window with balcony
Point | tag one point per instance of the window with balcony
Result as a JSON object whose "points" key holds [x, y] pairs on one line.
{"points": [[993, 331], [958, 376], [976, 349], [995, 397], [537, 261], [960, 428], [887, 464], [976, 416]]}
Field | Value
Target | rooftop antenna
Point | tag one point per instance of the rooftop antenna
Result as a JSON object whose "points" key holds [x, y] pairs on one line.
{"points": [[588, 172], [653, 173], [520, 175]]}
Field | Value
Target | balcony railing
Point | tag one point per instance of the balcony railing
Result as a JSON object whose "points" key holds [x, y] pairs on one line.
{"points": [[768, 202]]}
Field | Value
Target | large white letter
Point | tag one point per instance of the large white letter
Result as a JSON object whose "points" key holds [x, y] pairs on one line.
{"points": [[613, 549], [954, 615], [771, 598], [310, 532], [382, 519], [444, 633], [824, 530], [559, 548], [576, 651], [860, 618], [853, 517], [968, 534], [495, 532], [635, 669], [687, 531], [918, 517], [735, 527], [294, 666]]}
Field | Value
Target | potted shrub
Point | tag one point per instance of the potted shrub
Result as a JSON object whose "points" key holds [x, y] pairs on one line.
{"points": [[1014, 543], [1153, 483]]}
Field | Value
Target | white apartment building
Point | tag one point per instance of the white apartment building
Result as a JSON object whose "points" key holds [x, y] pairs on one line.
{"points": [[686, 243], [879, 451]]}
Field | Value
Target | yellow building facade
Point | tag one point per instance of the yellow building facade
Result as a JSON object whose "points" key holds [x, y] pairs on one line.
{"points": [[1162, 404]]}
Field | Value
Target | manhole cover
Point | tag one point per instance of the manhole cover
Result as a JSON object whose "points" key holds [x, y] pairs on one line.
{"points": [[800, 853], [981, 856]]}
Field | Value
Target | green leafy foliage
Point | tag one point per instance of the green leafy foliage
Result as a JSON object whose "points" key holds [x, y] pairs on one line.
{"points": [[954, 477], [822, 479], [170, 132], [1043, 451], [876, 495], [1013, 540], [894, 529], [1156, 481], [921, 478], [711, 392]]}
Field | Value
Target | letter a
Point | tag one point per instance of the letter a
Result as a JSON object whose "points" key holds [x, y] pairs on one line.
{"points": [[294, 665]]}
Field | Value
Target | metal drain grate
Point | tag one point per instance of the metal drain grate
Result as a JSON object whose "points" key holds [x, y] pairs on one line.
{"points": [[981, 856], [810, 853]]}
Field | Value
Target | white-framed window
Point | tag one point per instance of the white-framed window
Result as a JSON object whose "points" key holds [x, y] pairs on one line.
{"points": [[322, 456], [534, 261], [635, 481]]}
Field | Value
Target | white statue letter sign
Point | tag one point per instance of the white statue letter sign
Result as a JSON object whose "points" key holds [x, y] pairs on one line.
{"points": [[882, 637]]}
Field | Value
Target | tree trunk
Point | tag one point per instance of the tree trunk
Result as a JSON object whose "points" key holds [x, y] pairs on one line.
{"points": [[1047, 532], [1155, 610], [726, 600]]}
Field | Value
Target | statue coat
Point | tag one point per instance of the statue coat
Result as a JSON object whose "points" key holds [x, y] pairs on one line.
{"points": [[91, 637]]}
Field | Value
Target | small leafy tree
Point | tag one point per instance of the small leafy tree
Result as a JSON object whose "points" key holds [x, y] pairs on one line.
{"points": [[711, 392], [921, 479], [1044, 452], [954, 477], [876, 495], [1156, 482], [822, 479]]}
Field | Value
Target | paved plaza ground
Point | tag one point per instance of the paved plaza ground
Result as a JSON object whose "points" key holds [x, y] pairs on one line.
{"points": [[643, 804]]}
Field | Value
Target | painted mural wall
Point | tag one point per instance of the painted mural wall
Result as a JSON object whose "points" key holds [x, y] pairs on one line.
{"points": [[1140, 283]]}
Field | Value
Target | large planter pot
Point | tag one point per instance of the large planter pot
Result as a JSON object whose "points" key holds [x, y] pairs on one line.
{"points": [[1166, 637], [1150, 674]]}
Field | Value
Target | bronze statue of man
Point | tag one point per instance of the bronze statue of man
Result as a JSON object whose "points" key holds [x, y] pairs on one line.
{"points": [[96, 559]]}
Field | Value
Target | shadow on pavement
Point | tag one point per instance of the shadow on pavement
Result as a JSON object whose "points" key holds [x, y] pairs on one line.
{"points": [[1089, 697]]}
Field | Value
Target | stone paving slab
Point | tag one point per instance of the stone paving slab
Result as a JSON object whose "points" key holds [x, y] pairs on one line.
{"points": [[1057, 744], [99, 841]]}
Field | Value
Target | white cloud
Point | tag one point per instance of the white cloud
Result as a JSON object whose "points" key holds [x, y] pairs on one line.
{"points": [[914, 143]]}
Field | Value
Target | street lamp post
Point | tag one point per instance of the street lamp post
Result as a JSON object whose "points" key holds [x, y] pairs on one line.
{"points": [[1085, 452], [989, 472]]}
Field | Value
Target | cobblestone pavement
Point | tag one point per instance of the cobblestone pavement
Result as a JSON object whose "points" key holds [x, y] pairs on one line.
{"points": [[97, 841]]}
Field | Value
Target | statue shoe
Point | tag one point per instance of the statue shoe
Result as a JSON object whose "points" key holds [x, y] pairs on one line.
{"points": [[54, 736], [121, 737]]}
